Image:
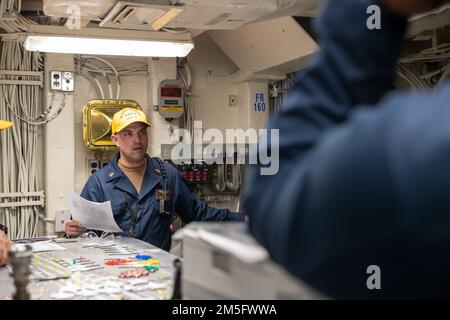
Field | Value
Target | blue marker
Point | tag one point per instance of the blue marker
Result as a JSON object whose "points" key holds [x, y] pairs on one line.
{"points": [[143, 257]]}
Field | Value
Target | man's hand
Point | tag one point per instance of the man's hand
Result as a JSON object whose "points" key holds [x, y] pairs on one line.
{"points": [[4, 247], [74, 228], [409, 8]]}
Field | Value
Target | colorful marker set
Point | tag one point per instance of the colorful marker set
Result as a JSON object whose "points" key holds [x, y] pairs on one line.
{"points": [[144, 265]]}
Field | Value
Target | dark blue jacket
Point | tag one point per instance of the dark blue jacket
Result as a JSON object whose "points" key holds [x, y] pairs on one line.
{"points": [[364, 177], [111, 184]]}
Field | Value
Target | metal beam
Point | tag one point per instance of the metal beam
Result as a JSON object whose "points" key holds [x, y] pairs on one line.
{"points": [[38, 74], [22, 194], [429, 21], [28, 203], [22, 204]]}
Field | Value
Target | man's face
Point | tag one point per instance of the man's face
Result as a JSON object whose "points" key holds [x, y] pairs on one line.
{"points": [[132, 142]]}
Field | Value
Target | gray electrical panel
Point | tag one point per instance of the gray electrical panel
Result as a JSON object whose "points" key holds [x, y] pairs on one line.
{"points": [[171, 99]]}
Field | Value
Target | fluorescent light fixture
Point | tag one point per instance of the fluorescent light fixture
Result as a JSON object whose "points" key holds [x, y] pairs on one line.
{"points": [[107, 42]]}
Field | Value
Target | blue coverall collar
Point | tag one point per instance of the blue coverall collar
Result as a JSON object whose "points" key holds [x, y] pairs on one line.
{"points": [[118, 178]]}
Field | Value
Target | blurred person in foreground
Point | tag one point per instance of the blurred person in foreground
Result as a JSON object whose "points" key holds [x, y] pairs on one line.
{"points": [[364, 176]]}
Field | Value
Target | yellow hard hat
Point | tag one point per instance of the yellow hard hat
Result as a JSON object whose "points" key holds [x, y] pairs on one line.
{"points": [[127, 116], [5, 124]]}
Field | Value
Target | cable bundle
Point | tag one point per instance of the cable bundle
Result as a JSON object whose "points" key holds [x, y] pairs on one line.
{"points": [[19, 145], [92, 66], [280, 91], [439, 55], [185, 76], [15, 21]]}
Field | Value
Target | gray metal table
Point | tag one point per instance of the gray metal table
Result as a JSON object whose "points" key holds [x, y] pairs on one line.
{"points": [[104, 282]]}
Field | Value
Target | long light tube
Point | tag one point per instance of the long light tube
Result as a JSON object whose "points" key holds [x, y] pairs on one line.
{"points": [[107, 42]]}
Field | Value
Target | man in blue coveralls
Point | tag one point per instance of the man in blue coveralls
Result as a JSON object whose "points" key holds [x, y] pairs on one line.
{"points": [[363, 181], [144, 192]]}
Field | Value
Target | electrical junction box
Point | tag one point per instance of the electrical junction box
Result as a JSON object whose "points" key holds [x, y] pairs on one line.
{"points": [[62, 81], [68, 81], [55, 81], [61, 217], [93, 166], [171, 99]]}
